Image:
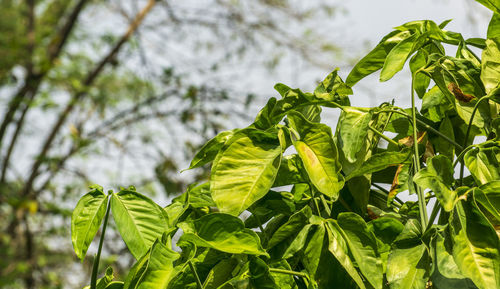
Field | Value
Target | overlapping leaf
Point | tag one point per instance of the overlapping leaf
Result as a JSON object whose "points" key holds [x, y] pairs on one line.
{"points": [[139, 220], [244, 170]]}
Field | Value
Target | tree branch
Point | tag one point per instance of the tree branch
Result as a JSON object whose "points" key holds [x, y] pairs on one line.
{"points": [[79, 95]]}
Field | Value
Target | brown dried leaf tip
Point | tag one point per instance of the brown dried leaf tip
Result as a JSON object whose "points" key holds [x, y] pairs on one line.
{"points": [[408, 141], [458, 93]]}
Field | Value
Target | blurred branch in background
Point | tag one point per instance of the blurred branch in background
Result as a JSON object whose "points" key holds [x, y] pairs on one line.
{"points": [[159, 90]]}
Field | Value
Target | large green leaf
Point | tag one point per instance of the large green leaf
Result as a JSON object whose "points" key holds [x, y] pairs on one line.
{"points": [[493, 5], [438, 176], [375, 59], [399, 54], [490, 64], [381, 161], [209, 151], [139, 220], [222, 232], [244, 170], [86, 219], [407, 265], [296, 222], [443, 260], [291, 171], [476, 246], [352, 130], [338, 247], [484, 162], [494, 26], [488, 195], [154, 270], [363, 246], [319, 155]]}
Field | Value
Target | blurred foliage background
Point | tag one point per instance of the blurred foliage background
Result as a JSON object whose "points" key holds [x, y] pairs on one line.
{"points": [[124, 93]]}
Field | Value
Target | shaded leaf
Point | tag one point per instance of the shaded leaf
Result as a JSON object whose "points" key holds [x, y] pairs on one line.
{"points": [[438, 176], [222, 232]]}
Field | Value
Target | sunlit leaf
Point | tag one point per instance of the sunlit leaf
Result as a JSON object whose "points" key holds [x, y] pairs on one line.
{"points": [[319, 155], [86, 219], [244, 170], [476, 246], [139, 220]]}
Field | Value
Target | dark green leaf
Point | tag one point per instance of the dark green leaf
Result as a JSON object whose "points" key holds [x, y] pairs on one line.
{"points": [[363, 246], [438, 176], [381, 161], [222, 232]]}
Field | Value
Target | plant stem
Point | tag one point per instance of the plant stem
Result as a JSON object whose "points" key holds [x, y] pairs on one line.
{"points": [[288, 272], [428, 127], [198, 282], [317, 206], [462, 153], [325, 204], [462, 166], [95, 266], [388, 139], [434, 212], [421, 198]]}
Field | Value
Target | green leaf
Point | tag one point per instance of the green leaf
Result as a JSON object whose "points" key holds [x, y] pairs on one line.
{"points": [[397, 57], [296, 222], [363, 246], [139, 220], [435, 104], [352, 130], [484, 162], [476, 246], [244, 170], [493, 5], [381, 161], [154, 270], [333, 88], [313, 249], [444, 262], [407, 265], [298, 242], [488, 195], [319, 155], [222, 232], [375, 59], [338, 247], [490, 64], [494, 26], [86, 220], [442, 146], [438, 176], [209, 151], [259, 274], [220, 273], [420, 80], [291, 171]]}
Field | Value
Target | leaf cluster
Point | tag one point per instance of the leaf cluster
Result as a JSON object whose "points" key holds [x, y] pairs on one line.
{"points": [[328, 214]]}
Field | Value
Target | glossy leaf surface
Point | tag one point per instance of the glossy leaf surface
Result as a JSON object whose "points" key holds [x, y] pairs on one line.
{"points": [[86, 219]]}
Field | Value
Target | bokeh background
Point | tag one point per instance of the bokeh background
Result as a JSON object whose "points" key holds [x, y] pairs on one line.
{"points": [[121, 93]]}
